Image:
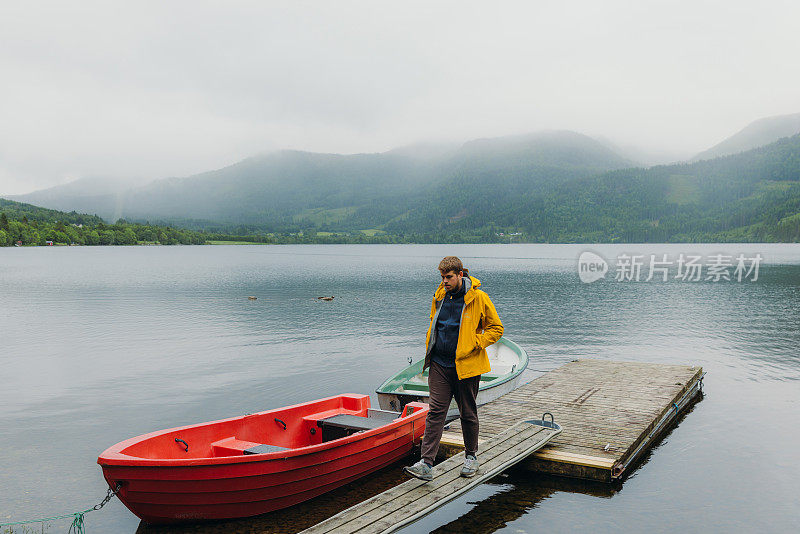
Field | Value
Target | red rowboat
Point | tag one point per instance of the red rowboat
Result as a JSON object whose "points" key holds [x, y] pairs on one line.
{"points": [[260, 462]]}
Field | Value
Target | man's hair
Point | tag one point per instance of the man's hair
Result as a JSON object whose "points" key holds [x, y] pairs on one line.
{"points": [[450, 263]]}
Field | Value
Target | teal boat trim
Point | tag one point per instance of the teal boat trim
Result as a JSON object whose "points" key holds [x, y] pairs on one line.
{"points": [[488, 380]]}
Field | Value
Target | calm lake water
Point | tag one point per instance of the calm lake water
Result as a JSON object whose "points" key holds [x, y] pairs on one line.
{"points": [[102, 344]]}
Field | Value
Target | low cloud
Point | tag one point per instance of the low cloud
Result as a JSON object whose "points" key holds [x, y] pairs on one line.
{"points": [[146, 90]]}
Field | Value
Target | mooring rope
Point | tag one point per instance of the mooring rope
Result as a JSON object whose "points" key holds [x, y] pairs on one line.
{"points": [[77, 526]]}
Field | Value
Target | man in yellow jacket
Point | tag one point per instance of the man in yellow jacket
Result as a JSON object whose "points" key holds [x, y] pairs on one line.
{"points": [[463, 323]]}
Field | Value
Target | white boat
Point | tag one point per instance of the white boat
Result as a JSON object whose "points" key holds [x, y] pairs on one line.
{"points": [[507, 360]]}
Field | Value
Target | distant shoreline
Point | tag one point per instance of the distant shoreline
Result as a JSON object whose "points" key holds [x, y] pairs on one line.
{"points": [[584, 244]]}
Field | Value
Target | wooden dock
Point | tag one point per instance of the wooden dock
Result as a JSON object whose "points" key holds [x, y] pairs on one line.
{"points": [[414, 498], [611, 413]]}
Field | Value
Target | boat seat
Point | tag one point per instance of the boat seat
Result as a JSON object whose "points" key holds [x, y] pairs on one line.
{"points": [[264, 449], [354, 422], [382, 415], [341, 425], [232, 447], [415, 387]]}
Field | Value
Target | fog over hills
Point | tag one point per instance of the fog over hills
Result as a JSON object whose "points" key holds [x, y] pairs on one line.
{"points": [[751, 196], [643, 156], [758, 133], [124, 95], [294, 186], [558, 148], [557, 187], [94, 195], [552, 185]]}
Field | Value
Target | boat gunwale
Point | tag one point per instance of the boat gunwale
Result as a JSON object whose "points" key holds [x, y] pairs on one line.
{"points": [[146, 472], [524, 359], [113, 457]]}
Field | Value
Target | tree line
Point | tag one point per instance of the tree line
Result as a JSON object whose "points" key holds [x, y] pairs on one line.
{"points": [[33, 232]]}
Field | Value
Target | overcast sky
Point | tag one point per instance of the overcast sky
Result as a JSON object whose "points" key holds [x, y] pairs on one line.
{"points": [[143, 90]]}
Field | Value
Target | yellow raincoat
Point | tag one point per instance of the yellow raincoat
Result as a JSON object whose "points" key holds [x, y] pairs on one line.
{"points": [[480, 327]]}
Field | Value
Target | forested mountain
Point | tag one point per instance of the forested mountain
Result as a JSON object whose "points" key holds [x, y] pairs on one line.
{"points": [[753, 196], [758, 133], [263, 191], [290, 190], [546, 187], [494, 177]]}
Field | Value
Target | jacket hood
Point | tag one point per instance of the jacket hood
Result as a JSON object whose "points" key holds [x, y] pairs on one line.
{"points": [[474, 284]]}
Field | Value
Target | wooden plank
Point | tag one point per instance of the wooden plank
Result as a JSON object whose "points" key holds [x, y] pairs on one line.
{"points": [[552, 454], [443, 472], [599, 403], [438, 498], [403, 503], [424, 495]]}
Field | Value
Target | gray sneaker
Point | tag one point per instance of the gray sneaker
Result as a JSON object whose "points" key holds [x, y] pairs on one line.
{"points": [[470, 466], [421, 470]]}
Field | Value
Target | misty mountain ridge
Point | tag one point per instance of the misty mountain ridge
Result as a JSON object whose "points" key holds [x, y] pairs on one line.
{"points": [[83, 195], [548, 148], [754, 195], [427, 150], [758, 133], [643, 156], [746, 197], [551, 185], [280, 187]]}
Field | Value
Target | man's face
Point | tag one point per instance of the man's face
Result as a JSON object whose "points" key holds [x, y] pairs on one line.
{"points": [[451, 280]]}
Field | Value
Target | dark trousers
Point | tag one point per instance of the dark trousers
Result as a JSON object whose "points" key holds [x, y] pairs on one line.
{"points": [[444, 384]]}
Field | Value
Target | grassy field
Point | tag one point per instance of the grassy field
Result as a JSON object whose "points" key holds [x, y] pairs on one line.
{"points": [[324, 216], [371, 232], [213, 242]]}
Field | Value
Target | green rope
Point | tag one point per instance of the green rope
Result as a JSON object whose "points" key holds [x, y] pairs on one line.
{"points": [[77, 526]]}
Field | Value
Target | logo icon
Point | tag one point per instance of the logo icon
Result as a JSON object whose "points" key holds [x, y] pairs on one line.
{"points": [[591, 267]]}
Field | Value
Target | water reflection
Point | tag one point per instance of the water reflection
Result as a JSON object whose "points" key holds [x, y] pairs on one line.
{"points": [[101, 344], [520, 492]]}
